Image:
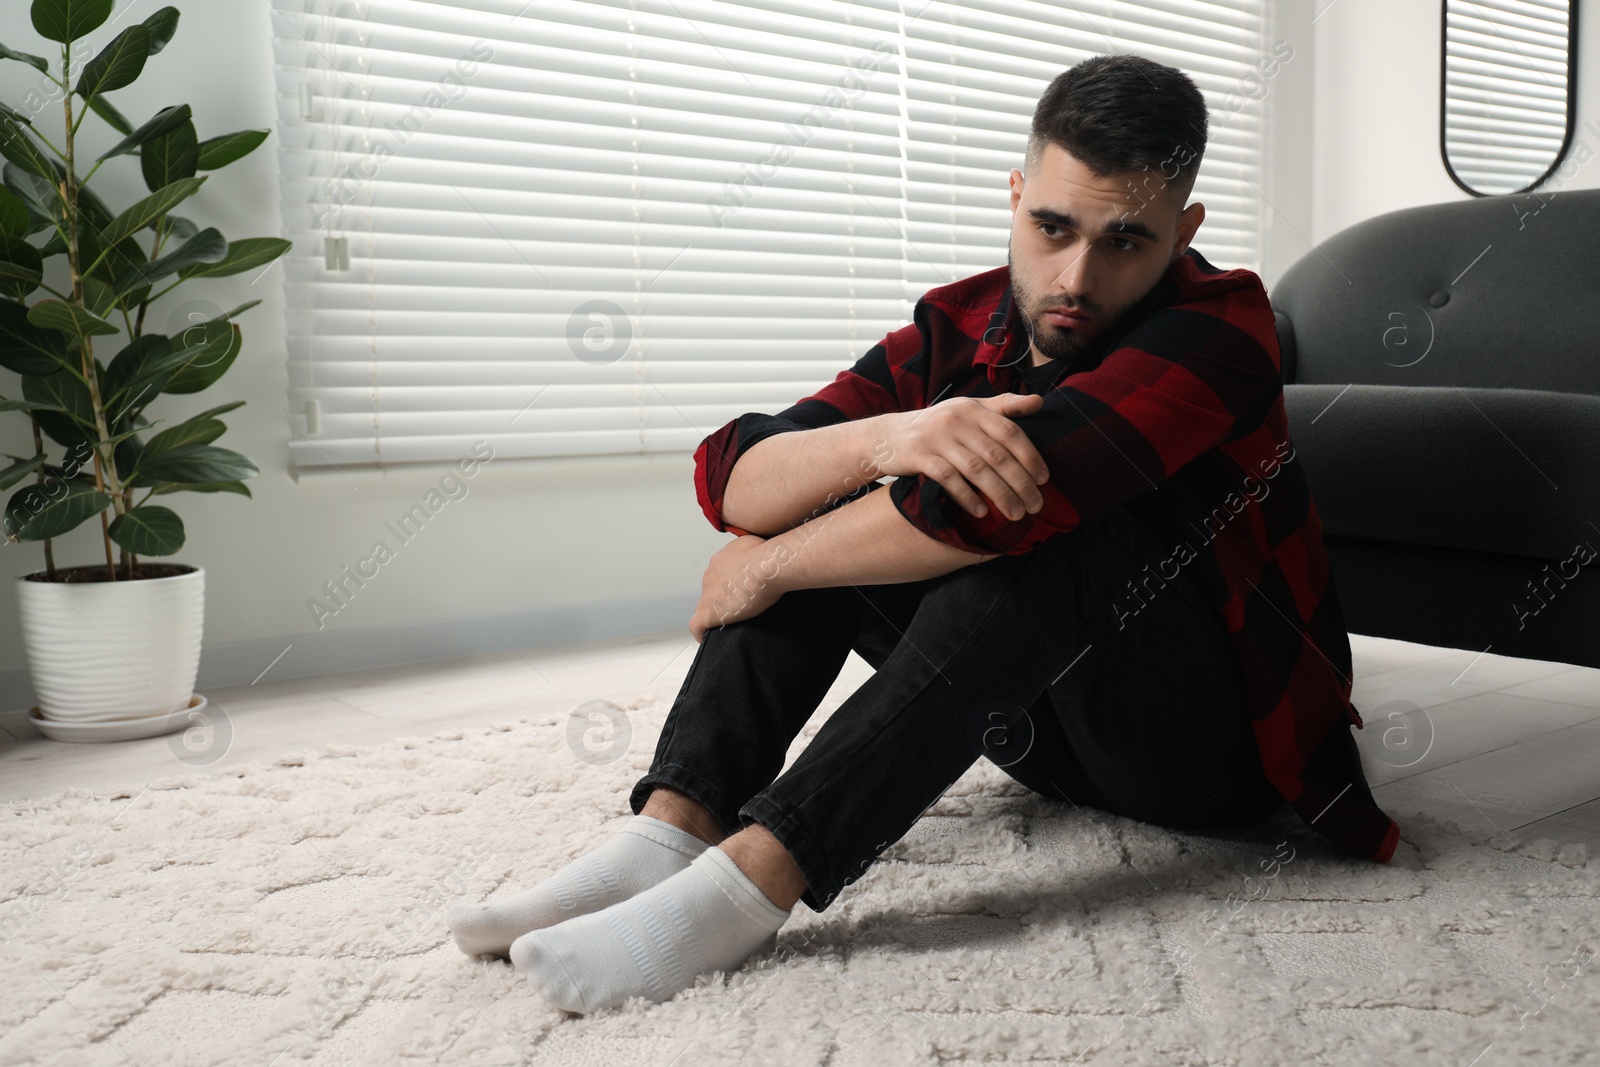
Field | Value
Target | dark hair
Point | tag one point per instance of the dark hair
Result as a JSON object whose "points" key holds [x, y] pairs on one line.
{"points": [[1124, 112]]}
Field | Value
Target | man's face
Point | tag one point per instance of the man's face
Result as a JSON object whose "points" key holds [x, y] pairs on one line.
{"points": [[1092, 246]]}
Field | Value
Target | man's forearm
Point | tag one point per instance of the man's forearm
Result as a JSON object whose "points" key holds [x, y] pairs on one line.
{"points": [[864, 542], [785, 479]]}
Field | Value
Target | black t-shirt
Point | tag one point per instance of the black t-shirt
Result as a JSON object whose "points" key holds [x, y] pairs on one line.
{"points": [[1040, 379]]}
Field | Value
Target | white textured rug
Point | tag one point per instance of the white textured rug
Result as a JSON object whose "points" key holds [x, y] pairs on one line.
{"points": [[290, 912]]}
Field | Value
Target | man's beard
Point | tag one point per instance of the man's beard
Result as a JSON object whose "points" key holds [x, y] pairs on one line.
{"points": [[1055, 342]]}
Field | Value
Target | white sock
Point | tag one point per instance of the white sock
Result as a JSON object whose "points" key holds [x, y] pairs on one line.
{"points": [[707, 917], [645, 851]]}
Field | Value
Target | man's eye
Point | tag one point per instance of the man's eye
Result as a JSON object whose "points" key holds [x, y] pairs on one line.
{"points": [[1047, 226], [1132, 245]]}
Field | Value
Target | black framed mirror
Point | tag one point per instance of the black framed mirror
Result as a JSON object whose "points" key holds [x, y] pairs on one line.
{"points": [[1507, 90]]}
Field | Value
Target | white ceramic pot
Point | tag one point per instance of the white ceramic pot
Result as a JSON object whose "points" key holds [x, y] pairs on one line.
{"points": [[107, 651]]}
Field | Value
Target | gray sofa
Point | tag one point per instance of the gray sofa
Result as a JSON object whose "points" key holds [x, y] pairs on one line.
{"points": [[1442, 380]]}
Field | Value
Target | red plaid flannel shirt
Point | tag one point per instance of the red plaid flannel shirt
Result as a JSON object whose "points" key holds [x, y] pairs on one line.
{"points": [[1179, 418]]}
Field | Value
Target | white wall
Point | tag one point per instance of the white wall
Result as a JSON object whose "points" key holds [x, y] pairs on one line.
{"points": [[1375, 119], [553, 551]]}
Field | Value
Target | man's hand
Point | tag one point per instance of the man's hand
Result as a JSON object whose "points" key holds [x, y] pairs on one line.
{"points": [[970, 440], [741, 581]]}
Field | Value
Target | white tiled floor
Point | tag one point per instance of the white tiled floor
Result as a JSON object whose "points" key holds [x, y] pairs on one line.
{"points": [[1501, 745]]}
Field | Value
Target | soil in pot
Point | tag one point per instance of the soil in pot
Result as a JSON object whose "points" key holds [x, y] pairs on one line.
{"points": [[97, 572]]}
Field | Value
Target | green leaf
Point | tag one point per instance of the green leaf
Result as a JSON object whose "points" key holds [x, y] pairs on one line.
{"points": [[31, 405], [123, 436], [93, 218], [201, 487], [220, 151], [92, 207], [126, 453], [171, 157], [21, 267], [207, 246], [26, 348], [127, 385], [195, 431], [22, 467], [162, 25], [148, 530], [64, 473], [80, 456], [116, 119], [39, 62], [37, 194], [131, 300], [196, 463], [204, 343], [15, 218], [118, 65], [70, 422], [246, 306], [17, 280], [69, 319], [150, 209], [176, 226], [67, 20], [204, 367], [33, 514], [18, 146], [243, 254], [123, 257], [98, 296], [160, 124], [220, 409], [154, 364]]}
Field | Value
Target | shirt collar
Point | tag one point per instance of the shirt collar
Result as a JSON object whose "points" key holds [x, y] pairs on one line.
{"points": [[1003, 342]]}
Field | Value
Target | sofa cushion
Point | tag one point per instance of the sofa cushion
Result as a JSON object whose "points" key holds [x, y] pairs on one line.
{"points": [[1492, 292], [1515, 471]]}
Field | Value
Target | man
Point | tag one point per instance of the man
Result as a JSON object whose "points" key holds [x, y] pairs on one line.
{"points": [[1111, 583]]}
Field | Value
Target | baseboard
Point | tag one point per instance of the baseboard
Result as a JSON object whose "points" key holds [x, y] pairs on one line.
{"points": [[332, 651]]}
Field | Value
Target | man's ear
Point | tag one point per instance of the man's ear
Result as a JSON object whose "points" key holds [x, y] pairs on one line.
{"points": [[1189, 221]]}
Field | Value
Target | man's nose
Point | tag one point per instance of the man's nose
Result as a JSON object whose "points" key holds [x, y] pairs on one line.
{"points": [[1076, 277]]}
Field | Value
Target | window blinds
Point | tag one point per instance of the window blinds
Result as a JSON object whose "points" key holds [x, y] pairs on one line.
{"points": [[577, 227], [1505, 90]]}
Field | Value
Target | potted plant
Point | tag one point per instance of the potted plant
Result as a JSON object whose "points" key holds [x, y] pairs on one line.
{"points": [[112, 648]]}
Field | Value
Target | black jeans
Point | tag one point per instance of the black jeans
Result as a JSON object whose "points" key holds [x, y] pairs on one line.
{"points": [[1034, 661]]}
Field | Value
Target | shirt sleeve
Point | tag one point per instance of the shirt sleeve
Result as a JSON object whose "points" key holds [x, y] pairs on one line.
{"points": [[1182, 381], [870, 387]]}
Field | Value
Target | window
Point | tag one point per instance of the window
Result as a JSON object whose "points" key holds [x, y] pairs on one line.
{"points": [[574, 227], [1506, 94]]}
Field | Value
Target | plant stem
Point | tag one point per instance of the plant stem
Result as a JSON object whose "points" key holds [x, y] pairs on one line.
{"points": [[127, 504], [155, 250], [105, 467], [49, 549], [168, 289]]}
